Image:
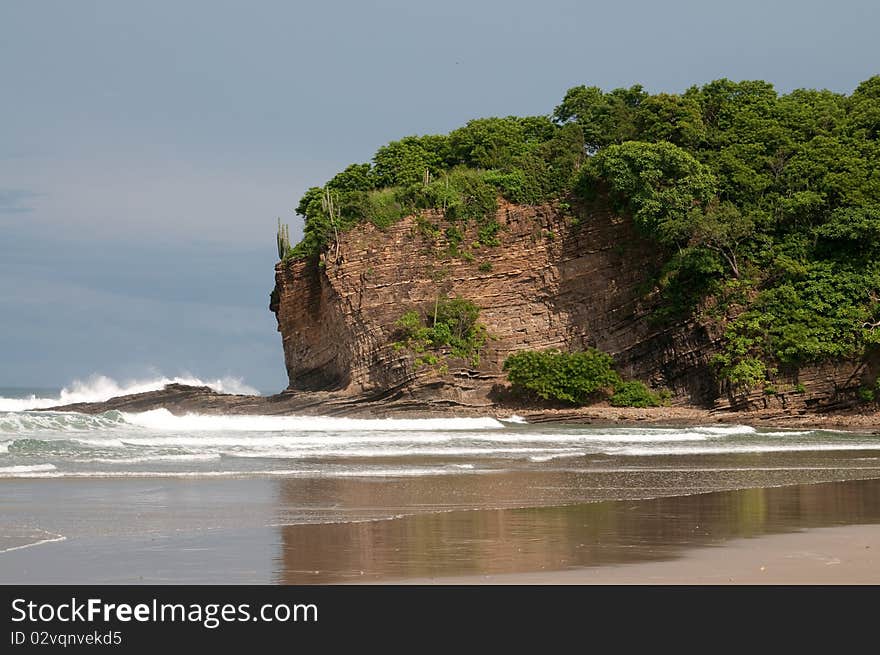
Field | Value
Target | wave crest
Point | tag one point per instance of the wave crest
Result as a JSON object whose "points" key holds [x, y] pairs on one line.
{"points": [[99, 388], [162, 419]]}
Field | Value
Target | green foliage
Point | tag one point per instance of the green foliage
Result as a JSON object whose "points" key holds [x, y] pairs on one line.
{"points": [[555, 375], [383, 207], [856, 229], [357, 177], [658, 183], [671, 118], [721, 228], [604, 118], [745, 373], [688, 276], [634, 394], [823, 314], [734, 182], [866, 394], [404, 162], [496, 142], [452, 328], [485, 267]]}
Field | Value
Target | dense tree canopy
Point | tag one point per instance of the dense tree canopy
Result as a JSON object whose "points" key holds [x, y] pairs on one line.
{"points": [[768, 203]]}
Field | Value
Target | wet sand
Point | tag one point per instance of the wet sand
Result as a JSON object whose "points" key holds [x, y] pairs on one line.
{"points": [[847, 555], [434, 529]]}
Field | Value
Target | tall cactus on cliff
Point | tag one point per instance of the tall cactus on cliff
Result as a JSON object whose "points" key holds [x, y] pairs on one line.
{"points": [[330, 205], [282, 238]]}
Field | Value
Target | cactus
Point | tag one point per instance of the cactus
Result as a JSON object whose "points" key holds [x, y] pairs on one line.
{"points": [[330, 206], [282, 238]]}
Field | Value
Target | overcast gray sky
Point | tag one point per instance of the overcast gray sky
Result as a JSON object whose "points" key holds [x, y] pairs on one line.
{"points": [[147, 148]]}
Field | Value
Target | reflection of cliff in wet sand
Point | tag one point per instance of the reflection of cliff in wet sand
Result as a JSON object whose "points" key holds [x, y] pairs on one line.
{"points": [[525, 545], [469, 529]]}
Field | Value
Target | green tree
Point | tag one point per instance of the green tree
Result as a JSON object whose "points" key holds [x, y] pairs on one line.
{"points": [[604, 118], [721, 227], [667, 117], [658, 183], [404, 162]]}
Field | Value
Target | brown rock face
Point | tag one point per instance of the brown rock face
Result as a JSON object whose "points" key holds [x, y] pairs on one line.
{"points": [[553, 282]]}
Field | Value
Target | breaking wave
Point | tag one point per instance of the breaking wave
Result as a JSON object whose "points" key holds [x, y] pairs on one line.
{"points": [[99, 388], [157, 443], [162, 419]]}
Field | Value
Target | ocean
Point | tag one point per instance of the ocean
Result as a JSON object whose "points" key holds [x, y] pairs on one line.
{"points": [[42, 444]]}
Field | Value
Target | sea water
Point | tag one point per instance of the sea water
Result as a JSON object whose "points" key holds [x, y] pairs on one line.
{"points": [[156, 443]]}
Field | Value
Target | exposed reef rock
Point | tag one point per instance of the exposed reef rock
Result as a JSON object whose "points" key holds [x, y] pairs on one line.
{"points": [[181, 399]]}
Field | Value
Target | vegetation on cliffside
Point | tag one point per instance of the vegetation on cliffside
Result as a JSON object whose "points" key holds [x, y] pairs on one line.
{"points": [[452, 328], [765, 206], [575, 378]]}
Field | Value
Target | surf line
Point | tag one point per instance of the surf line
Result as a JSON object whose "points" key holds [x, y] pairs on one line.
{"points": [[57, 537]]}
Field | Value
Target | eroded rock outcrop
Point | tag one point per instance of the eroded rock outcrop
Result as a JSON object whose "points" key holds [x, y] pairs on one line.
{"points": [[554, 281]]}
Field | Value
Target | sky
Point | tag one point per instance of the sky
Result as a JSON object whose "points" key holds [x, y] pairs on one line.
{"points": [[147, 149]]}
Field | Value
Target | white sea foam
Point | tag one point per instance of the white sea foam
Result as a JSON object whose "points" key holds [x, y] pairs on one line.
{"points": [[412, 451], [98, 388], [34, 468], [307, 473], [203, 457], [514, 419], [403, 472], [722, 449], [48, 540], [547, 458], [600, 437], [726, 430], [162, 419], [17, 422]]}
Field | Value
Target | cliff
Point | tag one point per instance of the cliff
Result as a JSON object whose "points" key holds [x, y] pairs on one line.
{"points": [[553, 281]]}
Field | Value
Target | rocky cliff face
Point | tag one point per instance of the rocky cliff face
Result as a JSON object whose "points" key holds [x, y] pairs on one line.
{"points": [[553, 282]]}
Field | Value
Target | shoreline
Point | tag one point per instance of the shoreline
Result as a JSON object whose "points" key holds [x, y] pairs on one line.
{"points": [[182, 399]]}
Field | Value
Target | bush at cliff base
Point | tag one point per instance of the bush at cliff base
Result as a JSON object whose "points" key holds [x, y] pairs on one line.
{"points": [[553, 375]]}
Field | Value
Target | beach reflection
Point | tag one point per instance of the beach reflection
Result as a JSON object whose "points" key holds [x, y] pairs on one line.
{"points": [[485, 542]]}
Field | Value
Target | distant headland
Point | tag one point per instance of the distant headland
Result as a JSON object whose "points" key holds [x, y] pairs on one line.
{"points": [[630, 254]]}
